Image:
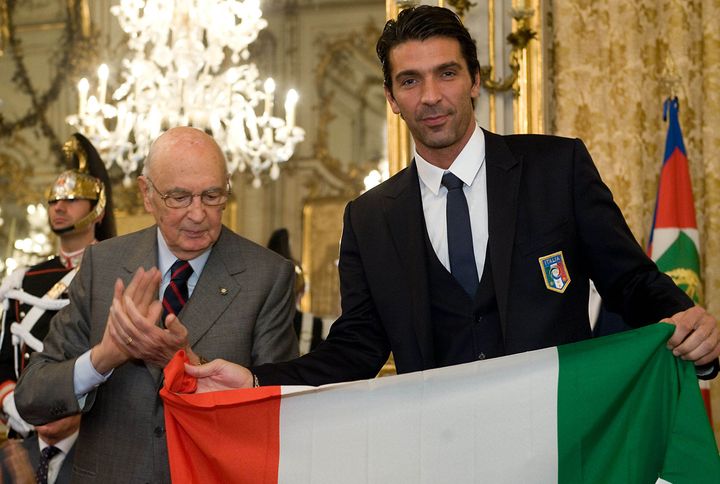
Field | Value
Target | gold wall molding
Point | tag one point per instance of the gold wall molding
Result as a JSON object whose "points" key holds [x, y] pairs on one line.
{"points": [[322, 228], [343, 58], [398, 136]]}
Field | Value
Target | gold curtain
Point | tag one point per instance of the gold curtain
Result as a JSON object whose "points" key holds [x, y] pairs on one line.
{"points": [[609, 58]]}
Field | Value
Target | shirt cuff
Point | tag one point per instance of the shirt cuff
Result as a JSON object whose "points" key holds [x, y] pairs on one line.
{"points": [[86, 378]]}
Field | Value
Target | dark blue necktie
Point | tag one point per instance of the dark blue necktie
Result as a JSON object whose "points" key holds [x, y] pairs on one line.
{"points": [[41, 474], [176, 294], [460, 244]]}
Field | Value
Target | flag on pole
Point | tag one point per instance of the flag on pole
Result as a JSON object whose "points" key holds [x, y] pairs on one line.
{"points": [[616, 409], [674, 239]]}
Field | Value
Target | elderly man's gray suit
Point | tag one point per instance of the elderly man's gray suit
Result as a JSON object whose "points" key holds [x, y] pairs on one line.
{"points": [[241, 310]]}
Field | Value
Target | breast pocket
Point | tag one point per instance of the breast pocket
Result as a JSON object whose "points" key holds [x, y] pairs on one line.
{"points": [[544, 241]]}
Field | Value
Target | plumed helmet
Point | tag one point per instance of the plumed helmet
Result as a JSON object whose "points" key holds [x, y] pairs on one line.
{"points": [[86, 179]]}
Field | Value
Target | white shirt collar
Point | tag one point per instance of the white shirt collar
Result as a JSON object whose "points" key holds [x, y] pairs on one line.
{"points": [[64, 445], [466, 165], [166, 258]]}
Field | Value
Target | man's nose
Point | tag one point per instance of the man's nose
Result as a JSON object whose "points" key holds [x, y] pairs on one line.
{"points": [[196, 210], [60, 205], [431, 93]]}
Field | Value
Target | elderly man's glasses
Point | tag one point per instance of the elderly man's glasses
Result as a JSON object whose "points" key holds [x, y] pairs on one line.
{"points": [[183, 199]]}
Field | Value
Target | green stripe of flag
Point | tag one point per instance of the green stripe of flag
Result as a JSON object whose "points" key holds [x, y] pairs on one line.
{"points": [[619, 403]]}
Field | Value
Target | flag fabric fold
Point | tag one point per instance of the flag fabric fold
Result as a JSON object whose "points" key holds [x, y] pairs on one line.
{"points": [[616, 409]]}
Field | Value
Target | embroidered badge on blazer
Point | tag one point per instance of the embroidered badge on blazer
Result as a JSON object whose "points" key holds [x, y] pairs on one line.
{"points": [[555, 273]]}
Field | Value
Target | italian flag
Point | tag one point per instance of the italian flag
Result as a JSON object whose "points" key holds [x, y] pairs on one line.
{"points": [[674, 242], [674, 239], [619, 409]]}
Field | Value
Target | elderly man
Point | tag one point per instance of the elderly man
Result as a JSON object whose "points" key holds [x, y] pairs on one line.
{"points": [[234, 297]]}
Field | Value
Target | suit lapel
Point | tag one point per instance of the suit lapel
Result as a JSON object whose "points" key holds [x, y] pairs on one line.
{"points": [[143, 253], [503, 182], [403, 209], [215, 289]]}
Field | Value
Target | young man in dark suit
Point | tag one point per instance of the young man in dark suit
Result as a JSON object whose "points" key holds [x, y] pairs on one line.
{"points": [[483, 246]]}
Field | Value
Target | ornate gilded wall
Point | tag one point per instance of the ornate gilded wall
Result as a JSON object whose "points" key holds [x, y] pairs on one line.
{"points": [[608, 60]]}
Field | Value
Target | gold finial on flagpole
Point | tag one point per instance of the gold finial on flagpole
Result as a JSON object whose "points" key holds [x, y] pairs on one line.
{"points": [[670, 79]]}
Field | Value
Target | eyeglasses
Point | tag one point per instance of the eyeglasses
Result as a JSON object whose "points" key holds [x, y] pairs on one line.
{"points": [[183, 199]]}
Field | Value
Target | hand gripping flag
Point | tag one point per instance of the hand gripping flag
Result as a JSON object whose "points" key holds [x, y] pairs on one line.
{"points": [[674, 239], [618, 409]]}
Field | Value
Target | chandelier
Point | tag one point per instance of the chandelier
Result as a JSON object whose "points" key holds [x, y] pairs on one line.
{"points": [[188, 67]]}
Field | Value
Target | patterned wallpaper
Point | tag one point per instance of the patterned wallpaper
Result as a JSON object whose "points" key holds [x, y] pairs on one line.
{"points": [[608, 60]]}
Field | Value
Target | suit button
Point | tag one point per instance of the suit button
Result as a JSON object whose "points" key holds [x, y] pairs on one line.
{"points": [[481, 356], [479, 319], [159, 431]]}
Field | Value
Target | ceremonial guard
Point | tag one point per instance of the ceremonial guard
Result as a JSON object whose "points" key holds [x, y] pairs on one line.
{"points": [[80, 214]]}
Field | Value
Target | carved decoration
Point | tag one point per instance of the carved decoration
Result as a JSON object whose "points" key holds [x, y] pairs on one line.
{"points": [[339, 62], [15, 173], [518, 40], [76, 47]]}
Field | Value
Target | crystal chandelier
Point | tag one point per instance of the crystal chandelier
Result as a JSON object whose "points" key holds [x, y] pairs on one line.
{"points": [[188, 67]]}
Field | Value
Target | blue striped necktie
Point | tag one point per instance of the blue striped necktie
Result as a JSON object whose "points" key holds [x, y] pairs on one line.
{"points": [[176, 294], [459, 234]]}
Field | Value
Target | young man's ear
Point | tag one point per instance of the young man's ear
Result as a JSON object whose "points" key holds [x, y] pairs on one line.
{"points": [[475, 91], [391, 100]]}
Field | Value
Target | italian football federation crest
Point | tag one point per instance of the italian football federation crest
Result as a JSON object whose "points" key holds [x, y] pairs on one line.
{"points": [[555, 273]]}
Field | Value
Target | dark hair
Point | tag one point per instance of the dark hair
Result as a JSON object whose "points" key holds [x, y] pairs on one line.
{"points": [[421, 23], [280, 243]]}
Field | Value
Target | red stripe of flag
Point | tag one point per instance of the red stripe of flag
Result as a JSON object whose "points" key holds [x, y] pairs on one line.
{"points": [[675, 206], [193, 431]]}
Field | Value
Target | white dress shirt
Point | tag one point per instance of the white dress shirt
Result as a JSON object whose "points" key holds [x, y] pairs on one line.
{"points": [[85, 377], [470, 167], [57, 461], [166, 259]]}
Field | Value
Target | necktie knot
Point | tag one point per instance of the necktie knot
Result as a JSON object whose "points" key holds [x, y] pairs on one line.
{"points": [[180, 271], [176, 294], [451, 182], [50, 451]]}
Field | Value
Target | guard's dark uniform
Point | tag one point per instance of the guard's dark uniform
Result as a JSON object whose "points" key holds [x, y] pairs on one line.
{"points": [[38, 280]]}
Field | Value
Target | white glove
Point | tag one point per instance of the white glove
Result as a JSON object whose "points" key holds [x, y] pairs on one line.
{"points": [[14, 420]]}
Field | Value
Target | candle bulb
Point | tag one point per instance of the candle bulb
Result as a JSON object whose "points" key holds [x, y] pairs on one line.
{"points": [[290, 101], [82, 88], [269, 94], [102, 73]]}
